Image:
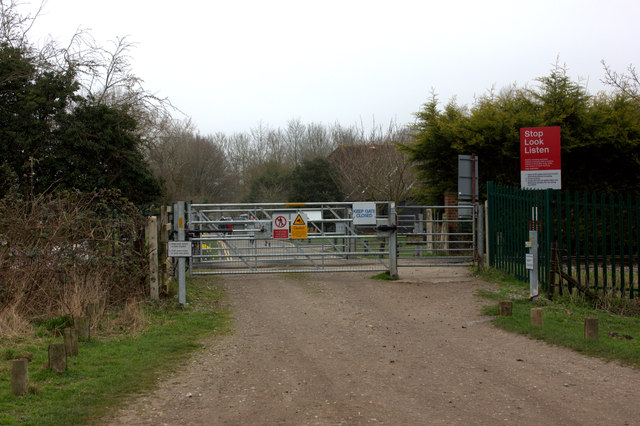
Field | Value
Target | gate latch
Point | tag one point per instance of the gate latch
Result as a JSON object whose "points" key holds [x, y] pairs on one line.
{"points": [[384, 227]]}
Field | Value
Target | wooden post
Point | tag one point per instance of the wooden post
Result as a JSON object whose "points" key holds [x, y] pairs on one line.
{"points": [[19, 376], [81, 324], [71, 341], [430, 230], [163, 240], [536, 317], [505, 308], [591, 328], [152, 238], [57, 357]]}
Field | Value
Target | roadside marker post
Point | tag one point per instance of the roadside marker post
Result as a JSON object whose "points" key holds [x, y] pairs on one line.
{"points": [[178, 222]]}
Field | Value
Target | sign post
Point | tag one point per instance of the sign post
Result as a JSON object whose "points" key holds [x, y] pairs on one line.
{"points": [[179, 225], [540, 158]]}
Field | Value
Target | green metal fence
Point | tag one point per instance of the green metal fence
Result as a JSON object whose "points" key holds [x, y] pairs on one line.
{"points": [[597, 235]]}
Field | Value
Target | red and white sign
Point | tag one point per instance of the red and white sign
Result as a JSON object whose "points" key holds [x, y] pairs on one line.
{"points": [[540, 158], [280, 226]]}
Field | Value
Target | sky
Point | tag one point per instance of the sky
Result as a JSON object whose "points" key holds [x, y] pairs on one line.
{"points": [[235, 64]]}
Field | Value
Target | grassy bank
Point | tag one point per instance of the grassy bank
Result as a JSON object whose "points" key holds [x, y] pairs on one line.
{"points": [[112, 366], [563, 320]]}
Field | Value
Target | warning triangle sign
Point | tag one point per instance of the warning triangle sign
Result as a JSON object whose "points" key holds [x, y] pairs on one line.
{"points": [[299, 220]]}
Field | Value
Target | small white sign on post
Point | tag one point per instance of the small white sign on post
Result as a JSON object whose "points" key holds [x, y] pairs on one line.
{"points": [[528, 257], [364, 213], [179, 249]]}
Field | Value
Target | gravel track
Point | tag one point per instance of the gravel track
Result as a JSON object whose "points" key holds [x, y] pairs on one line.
{"points": [[344, 349]]}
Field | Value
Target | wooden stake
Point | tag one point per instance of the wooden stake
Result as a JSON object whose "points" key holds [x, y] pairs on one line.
{"points": [[505, 308]]}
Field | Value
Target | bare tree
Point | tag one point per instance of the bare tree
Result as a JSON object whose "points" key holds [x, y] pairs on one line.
{"points": [[627, 83], [193, 167], [374, 169]]}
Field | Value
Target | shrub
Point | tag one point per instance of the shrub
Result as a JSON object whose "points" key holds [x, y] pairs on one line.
{"points": [[60, 252]]}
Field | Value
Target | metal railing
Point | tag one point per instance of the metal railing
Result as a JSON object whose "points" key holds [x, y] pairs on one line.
{"points": [[597, 235], [436, 235], [239, 239]]}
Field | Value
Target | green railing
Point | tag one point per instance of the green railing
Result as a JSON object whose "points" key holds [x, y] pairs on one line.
{"points": [[598, 236]]}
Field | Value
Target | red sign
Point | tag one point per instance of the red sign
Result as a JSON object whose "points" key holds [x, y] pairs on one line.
{"points": [[280, 227], [540, 157]]}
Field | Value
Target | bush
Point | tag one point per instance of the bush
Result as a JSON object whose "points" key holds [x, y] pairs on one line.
{"points": [[60, 252]]}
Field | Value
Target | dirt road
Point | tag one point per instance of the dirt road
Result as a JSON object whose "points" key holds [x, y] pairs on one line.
{"points": [[345, 349]]}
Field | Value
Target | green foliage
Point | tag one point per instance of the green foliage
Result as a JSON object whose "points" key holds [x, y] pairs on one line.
{"points": [[600, 137], [99, 149], [52, 138], [272, 185], [383, 276], [56, 325], [313, 181]]}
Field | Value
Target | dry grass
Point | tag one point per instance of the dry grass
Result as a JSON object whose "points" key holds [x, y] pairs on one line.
{"points": [[130, 317], [12, 324], [59, 254]]}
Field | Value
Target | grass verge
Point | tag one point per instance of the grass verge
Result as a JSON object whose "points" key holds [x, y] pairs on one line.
{"points": [[111, 368], [383, 276], [563, 321]]}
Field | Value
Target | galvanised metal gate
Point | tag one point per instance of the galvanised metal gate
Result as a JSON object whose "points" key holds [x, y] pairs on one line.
{"points": [[436, 235], [239, 239]]}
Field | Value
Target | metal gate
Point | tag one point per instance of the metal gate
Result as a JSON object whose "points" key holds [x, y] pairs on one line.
{"points": [[251, 238], [436, 235]]}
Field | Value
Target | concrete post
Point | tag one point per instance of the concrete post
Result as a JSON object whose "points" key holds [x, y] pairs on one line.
{"points": [[81, 324], [57, 357], [71, 341], [536, 317], [19, 376], [591, 328]]}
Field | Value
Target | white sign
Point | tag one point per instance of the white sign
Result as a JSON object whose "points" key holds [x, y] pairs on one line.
{"points": [[280, 225], [179, 249], [364, 213], [528, 258]]}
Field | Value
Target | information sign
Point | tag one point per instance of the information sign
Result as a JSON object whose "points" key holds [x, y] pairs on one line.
{"points": [[299, 227], [364, 213], [280, 226], [540, 158], [179, 249]]}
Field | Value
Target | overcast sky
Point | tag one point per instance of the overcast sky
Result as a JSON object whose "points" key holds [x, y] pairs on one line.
{"points": [[232, 64]]}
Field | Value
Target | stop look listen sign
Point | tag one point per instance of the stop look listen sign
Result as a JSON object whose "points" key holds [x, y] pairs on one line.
{"points": [[540, 158]]}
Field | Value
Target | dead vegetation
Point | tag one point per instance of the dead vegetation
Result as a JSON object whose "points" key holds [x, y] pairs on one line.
{"points": [[60, 253]]}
